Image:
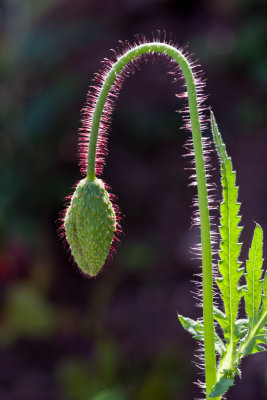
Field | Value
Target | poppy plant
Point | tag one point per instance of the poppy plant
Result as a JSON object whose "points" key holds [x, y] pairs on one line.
{"points": [[91, 221]]}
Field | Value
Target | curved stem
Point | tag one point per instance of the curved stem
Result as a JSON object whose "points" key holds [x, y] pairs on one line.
{"points": [[210, 361]]}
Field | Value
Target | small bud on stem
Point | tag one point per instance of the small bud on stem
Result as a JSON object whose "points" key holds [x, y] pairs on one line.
{"points": [[90, 224]]}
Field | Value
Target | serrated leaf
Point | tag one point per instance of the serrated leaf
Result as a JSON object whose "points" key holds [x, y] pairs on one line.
{"points": [[241, 327], [220, 318], [260, 342], [196, 329], [243, 336], [253, 294], [257, 335], [256, 344], [262, 336], [221, 386], [219, 345], [229, 264]]}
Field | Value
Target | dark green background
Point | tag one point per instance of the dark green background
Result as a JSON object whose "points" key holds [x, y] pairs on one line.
{"points": [[64, 337]]}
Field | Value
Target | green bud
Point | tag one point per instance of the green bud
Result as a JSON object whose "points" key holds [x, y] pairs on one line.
{"points": [[90, 224]]}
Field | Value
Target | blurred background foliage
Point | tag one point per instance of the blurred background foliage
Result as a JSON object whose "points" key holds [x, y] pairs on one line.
{"points": [[116, 337]]}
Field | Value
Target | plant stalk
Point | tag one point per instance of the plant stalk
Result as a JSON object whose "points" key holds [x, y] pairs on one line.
{"points": [[209, 346]]}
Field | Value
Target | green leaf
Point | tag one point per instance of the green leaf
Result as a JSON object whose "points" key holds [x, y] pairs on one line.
{"points": [[259, 342], [257, 334], [253, 294], [221, 386], [241, 327], [256, 337], [243, 336], [220, 318], [229, 264], [219, 345], [264, 301], [254, 344], [196, 329], [261, 339]]}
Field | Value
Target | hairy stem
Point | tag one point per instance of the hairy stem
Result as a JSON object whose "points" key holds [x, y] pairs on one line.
{"points": [[210, 361]]}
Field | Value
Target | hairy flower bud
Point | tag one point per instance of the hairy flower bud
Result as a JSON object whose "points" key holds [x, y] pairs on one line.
{"points": [[90, 224]]}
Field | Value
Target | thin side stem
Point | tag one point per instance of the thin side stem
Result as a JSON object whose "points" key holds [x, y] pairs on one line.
{"points": [[209, 346]]}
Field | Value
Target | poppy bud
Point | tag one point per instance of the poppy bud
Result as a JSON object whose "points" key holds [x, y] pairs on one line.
{"points": [[90, 224]]}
